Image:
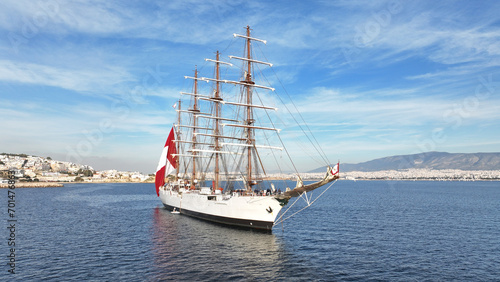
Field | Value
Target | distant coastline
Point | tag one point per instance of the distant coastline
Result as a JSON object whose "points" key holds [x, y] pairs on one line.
{"points": [[61, 184], [424, 174], [345, 177], [33, 185], [39, 172]]}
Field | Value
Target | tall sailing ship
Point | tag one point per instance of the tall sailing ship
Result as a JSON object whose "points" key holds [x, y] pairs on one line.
{"points": [[211, 166]]}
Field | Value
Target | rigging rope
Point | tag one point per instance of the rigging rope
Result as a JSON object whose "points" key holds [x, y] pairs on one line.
{"points": [[308, 204], [279, 137], [313, 157], [318, 148]]}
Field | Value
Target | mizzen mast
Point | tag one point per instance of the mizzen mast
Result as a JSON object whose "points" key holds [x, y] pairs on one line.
{"points": [[195, 121], [177, 144], [193, 126]]}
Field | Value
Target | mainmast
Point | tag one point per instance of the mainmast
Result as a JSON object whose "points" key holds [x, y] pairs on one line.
{"points": [[217, 116], [217, 100]]}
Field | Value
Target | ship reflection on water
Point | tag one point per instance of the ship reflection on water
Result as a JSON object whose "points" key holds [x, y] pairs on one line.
{"points": [[189, 249]]}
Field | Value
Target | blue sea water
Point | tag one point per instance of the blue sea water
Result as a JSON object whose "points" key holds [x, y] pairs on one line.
{"points": [[358, 231]]}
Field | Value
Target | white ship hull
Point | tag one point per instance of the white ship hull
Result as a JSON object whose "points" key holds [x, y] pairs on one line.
{"points": [[256, 212]]}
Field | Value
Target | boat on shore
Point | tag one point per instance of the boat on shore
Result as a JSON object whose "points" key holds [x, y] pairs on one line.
{"points": [[211, 166]]}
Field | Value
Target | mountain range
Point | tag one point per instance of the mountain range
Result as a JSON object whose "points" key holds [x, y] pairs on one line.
{"points": [[428, 160]]}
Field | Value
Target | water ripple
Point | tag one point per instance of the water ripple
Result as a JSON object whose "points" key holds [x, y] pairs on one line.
{"points": [[365, 230]]}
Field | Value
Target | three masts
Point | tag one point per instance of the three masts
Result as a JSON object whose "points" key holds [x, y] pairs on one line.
{"points": [[218, 140]]}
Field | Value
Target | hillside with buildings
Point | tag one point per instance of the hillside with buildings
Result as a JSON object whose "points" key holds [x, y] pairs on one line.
{"points": [[28, 168]]}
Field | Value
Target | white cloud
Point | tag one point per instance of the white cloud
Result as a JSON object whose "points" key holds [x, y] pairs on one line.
{"points": [[71, 79], [375, 111]]}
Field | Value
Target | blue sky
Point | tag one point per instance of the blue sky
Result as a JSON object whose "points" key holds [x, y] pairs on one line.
{"points": [[94, 81]]}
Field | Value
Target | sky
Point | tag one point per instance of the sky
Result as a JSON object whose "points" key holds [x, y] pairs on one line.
{"points": [[93, 82]]}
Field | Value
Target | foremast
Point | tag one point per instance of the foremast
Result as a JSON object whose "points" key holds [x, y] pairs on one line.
{"points": [[249, 121], [249, 124], [248, 84]]}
